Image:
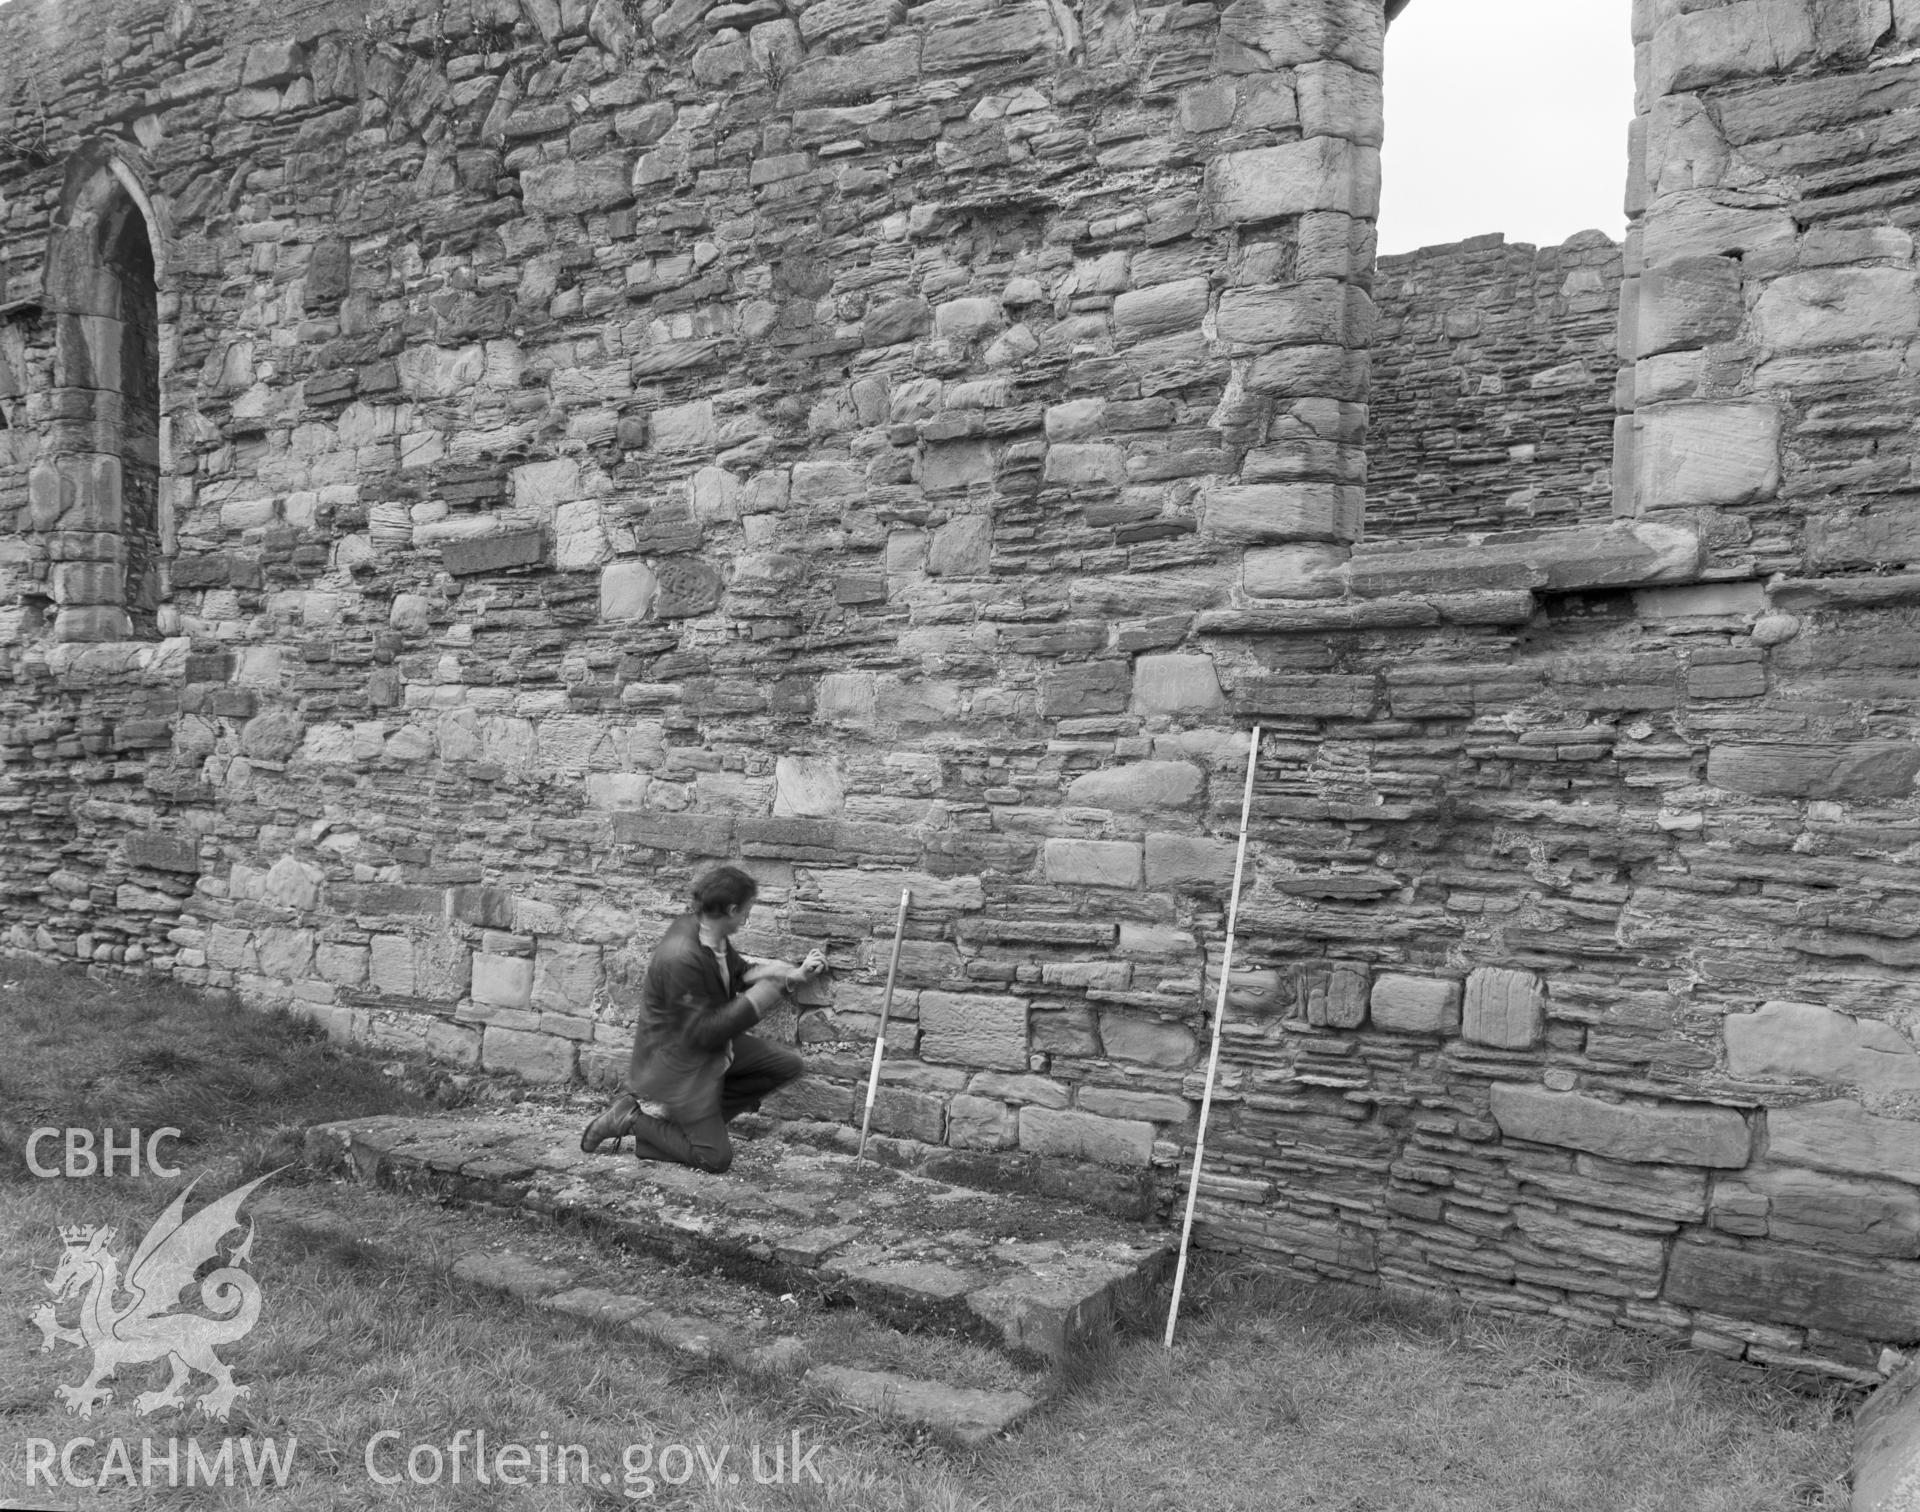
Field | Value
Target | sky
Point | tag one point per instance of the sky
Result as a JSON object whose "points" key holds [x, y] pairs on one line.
{"points": [[1506, 115]]}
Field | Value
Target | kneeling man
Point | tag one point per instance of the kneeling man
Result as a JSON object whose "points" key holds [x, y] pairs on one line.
{"points": [[694, 1066]]}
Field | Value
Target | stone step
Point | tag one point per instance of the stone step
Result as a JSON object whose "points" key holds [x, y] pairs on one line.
{"points": [[743, 1335], [1033, 1277]]}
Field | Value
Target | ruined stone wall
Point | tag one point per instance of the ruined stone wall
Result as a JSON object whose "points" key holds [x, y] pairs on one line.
{"points": [[907, 448], [1491, 405]]}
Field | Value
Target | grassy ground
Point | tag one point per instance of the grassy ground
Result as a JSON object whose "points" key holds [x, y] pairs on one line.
{"points": [[1278, 1396]]}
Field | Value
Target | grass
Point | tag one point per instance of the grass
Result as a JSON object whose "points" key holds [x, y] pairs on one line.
{"points": [[1279, 1395]]}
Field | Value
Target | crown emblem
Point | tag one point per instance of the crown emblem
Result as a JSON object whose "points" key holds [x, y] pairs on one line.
{"points": [[79, 1233]]}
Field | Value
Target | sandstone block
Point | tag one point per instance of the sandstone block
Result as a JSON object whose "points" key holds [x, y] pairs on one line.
{"points": [[565, 976], [1842, 773], [1264, 183], [962, 547], [1415, 1005], [1073, 1135], [1149, 1042], [909, 1114], [1314, 313], [1838, 307], [175, 853], [846, 698], [981, 1123], [292, 883], [1284, 512], [343, 965], [967, 319], [1160, 309], [1690, 302], [685, 427], [1087, 688], [684, 587], [1093, 863], [1336, 993], [390, 968], [1085, 463], [502, 981], [1153, 1107], [1139, 785], [272, 736], [1842, 1136], [536, 1057], [1825, 1211], [1338, 100], [493, 553], [1738, 41], [1797, 1287], [896, 320], [1707, 454], [1176, 684], [1189, 863], [571, 186], [974, 1029], [807, 787], [286, 954], [626, 590], [1022, 33], [1786, 1039], [1504, 1008], [1652, 1133], [1294, 572]]}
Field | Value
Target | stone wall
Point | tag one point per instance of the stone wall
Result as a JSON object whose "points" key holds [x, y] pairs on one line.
{"points": [[908, 447], [1493, 386]]}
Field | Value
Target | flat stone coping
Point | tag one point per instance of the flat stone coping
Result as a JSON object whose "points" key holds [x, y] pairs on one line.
{"points": [[1029, 1275]]}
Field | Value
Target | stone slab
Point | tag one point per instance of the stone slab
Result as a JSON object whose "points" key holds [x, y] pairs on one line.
{"points": [[1653, 1133], [1842, 1136], [1023, 1273], [971, 1415], [1886, 1447], [1801, 1288], [1791, 1040]]}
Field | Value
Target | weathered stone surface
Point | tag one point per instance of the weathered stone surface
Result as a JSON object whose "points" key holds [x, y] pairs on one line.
{"points": [[273, 736], [1842, 1136], [1089, 688], [1837, 307], [536, 1057], [1150, 1042], [1139, 785], [493, 553], [1084, 1136], [1504, 1008], [1707, 454], [1284, 512], [1841, 773], [1318, 173], [1095, 863], [1187, 863], [1808, 1040], [1176, 685], [1294, 572], [1886, 1442], [1415, 1005], [974, 1029], [626, 590], [971, 1415], [175, 853], [1660, 1134], [1795, 1286], [1834, 1212], [502, 981]]}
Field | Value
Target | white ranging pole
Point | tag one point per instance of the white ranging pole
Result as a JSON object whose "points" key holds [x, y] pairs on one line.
{"points": [[880, 1039], [1213, 1059]]}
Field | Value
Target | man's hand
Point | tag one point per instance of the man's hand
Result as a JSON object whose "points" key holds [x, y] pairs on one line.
{"points": [[814, 965], [785, 972]]}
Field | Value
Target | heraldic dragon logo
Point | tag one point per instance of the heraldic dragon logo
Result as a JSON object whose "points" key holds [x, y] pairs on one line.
{"points": [[144, 1327]]}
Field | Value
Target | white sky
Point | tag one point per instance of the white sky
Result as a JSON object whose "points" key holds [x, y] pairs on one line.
{"points": [[1506, 115]]}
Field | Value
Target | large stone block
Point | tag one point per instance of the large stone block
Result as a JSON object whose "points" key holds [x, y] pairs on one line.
{"points": [[1139, 785], [1087, 688], [807, 787], [1189, 863], [493, 553], [1838, 307], [1504, 1008], [502, 981], [1178, 684], [1799, 1287], [1318, 312], [1794, 1040], [1295, 572], [1072, 1135], [981, 1123], [390, 969], [962, 547], [1149, 1042], [1284, 512], [536, 1057], [1861, 771], [1645, 1132], [1160, 309], [1688, 303], [1739, 41], [1843, 1136], [974, 1029], [566, 977], [1316, 173], [1721, 453], [1838, 1212], [577, 186], [626, 590], [1415, 1005], [1093, 863]]}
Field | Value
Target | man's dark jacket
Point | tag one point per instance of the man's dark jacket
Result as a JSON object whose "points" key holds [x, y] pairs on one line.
{"points": [[689, 1015]]}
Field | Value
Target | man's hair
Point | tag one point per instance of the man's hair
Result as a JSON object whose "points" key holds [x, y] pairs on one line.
{"points": [[724, 889]]}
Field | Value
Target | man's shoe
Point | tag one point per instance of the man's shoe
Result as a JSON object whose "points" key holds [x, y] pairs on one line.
{"points": [[613, 1124]]}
